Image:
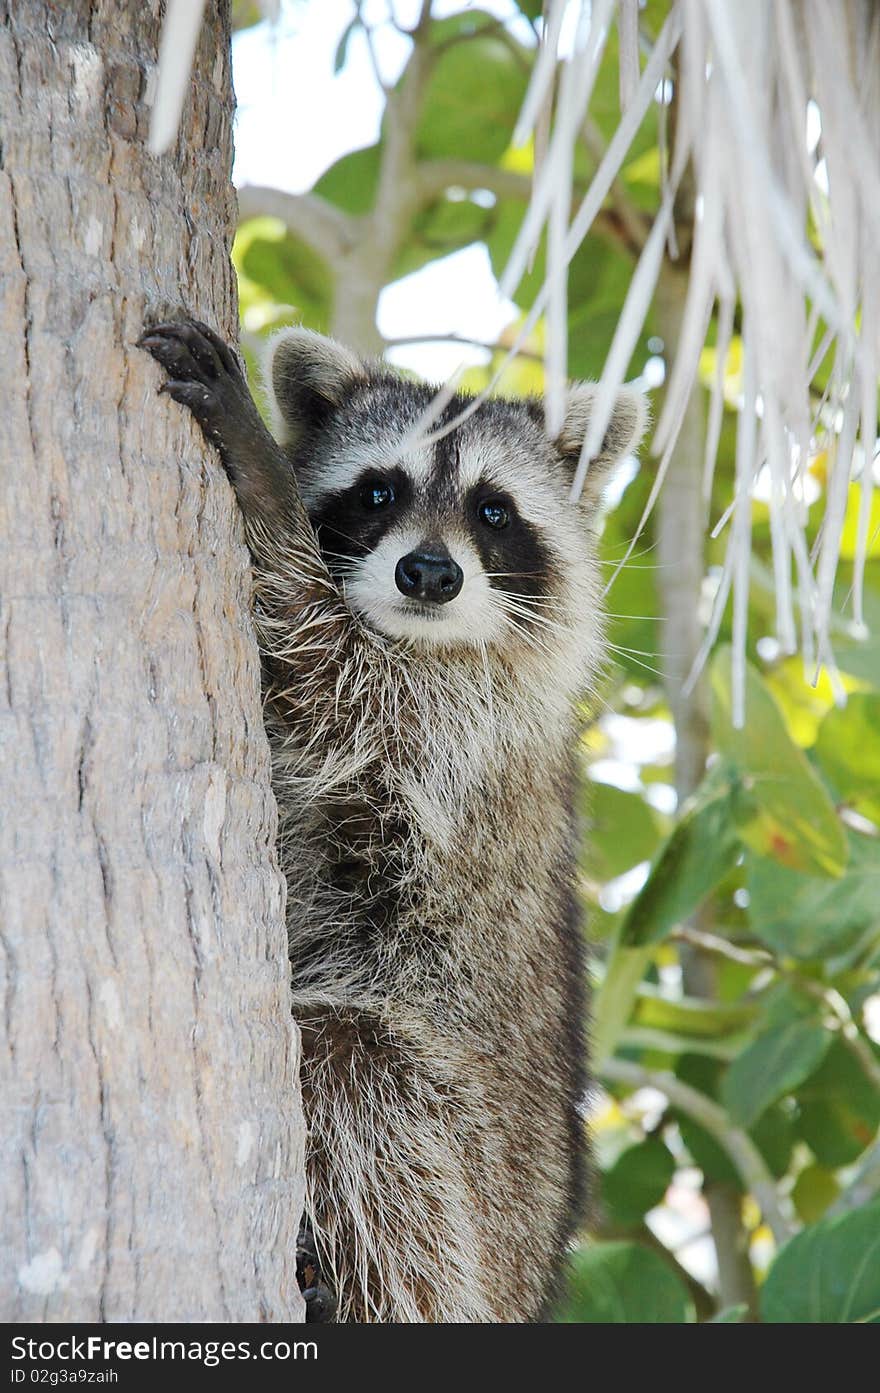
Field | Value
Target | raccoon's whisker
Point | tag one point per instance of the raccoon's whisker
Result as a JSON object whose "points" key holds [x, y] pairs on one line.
{"points": [[330, 531], [341, 556], [530, 638], [638, 662], [639, 652], [511, 607], [510, 575], [541, 601], [516, 602], [654, 618], [548, 625], [660, 565], [644, 552], [516, 596]]}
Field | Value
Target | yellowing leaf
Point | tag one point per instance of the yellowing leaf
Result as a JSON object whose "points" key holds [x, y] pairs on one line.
{"points": [[733, 364], [519, 158], [818, 466], [783, 809], [849, 539], [803, 706], [644, 170]]}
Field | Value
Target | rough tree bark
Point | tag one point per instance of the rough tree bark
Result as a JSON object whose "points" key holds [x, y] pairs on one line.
{"points": [[151, 1147]]}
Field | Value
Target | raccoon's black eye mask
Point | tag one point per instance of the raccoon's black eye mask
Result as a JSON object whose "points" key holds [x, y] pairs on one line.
{"points": [[350, 522]]}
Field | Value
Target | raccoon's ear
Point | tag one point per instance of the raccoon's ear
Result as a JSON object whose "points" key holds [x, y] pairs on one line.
{"points": [[306, 376], [622, 434]]}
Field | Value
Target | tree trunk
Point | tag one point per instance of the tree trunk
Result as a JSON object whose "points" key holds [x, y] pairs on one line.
{"points": [[151, 1146], [681, 530]]}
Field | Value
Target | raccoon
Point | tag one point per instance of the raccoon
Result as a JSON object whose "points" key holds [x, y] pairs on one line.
{"points": [[428, 610]]}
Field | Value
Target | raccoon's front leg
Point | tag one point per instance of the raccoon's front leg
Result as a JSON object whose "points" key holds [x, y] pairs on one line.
{"points": [[205, 375], [292, 582]]}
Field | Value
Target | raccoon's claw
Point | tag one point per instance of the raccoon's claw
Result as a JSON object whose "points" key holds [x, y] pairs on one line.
{"points": [[191, 339], [204, 374]]}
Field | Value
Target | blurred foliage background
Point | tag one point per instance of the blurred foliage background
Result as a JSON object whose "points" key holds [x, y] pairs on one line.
{"points": [[732, 878]]}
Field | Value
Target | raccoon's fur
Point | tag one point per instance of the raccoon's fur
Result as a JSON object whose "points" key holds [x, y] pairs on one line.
{"points": [[423, 728]]}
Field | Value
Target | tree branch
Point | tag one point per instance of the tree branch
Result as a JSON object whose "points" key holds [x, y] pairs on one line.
{"points": [[434, 177], [865, 1184], [737, 1143], [383, 86], [326, 229], [410, 339], [704, 1302]]}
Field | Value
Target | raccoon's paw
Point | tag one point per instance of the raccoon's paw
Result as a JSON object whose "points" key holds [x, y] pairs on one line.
{"points": [[204, 374], [320, 1305], [319, 1299]]}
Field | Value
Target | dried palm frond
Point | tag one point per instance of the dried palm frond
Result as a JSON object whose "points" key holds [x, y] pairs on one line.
{"points": [[784, 237], [180, 32], [749, 78]]}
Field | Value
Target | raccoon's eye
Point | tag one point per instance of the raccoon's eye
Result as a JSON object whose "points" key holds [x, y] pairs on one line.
{"points": [[377, 495], [494, 514]]}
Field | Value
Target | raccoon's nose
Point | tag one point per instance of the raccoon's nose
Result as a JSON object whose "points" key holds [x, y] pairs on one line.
{"points": [[429, 575]]}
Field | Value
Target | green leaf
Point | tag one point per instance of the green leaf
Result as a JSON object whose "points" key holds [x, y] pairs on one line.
{"points": [[835, 1134], [245, 14], [773, 1133], [351, 182], [623, 1283], [623, 829], [598, 279], [445, 226], [701, 849], [633, 599], [341, 54], [691, 1016], [671, 1045], [474, 91], [848, 750], [809, 916], [637, 1182], [774, 1136], [828, 1273], [731, 1315], [278, 268], [786, 1001], [860, 657], [814, 1190], [707, 1154], [532, 9], [839, 1108], [783, 809], [774, 1064]]}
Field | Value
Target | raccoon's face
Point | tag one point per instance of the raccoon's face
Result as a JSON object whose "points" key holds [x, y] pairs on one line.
{"points": [[469, 539]]}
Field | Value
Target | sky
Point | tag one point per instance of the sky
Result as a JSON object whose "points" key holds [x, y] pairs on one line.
{"points": [[295, 118]]}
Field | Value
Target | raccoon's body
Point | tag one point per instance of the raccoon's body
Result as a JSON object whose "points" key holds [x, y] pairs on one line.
{"points": [[428, 614]]}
